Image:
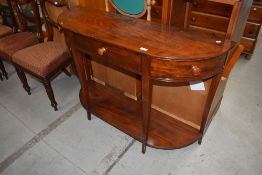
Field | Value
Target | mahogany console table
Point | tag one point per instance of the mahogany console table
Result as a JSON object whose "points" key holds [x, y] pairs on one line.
{"points": [[155, 54]]}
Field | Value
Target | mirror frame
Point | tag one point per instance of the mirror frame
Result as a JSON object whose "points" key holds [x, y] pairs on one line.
{"points": [[124, 13]]}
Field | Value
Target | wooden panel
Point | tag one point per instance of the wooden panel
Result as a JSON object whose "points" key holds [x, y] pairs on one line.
{"points": [[223, 10], [172, 100], [97, 4], [252, 30], [212, 8], [255, 14], [231, 2], [128, 84], [209, 21], [242, 19], [257, 2], [156, 11], [212, 32], [99, 72], [249, 44]]}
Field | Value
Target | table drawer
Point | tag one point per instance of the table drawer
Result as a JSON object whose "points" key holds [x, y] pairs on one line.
{"points": [[109, 54], [209, 21], [212, 7], [249, 44], [251, 30], [171, 70], [255, 14]]}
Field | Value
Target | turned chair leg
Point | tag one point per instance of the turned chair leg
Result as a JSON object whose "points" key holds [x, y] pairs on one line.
{"points": [[50, 93], [2, 67], [23, 79]]}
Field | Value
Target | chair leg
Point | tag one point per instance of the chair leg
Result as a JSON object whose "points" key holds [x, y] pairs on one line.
{"points": [[23, 79], [2, 67], [50, 93], [67, 72], [1, 76]]}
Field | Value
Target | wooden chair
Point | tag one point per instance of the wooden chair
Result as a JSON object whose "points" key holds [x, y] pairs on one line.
{"points": [[4, 29], [12, 43], [45, 60], [142, 6]]}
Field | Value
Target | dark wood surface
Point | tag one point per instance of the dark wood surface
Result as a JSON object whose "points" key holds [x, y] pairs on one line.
{"points": [[211, 17], [170, 43], [173, 55], [122, 112]]}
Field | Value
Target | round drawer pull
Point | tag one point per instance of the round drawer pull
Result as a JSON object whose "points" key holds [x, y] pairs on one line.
{"points": [[101, 51], [195, 71]]}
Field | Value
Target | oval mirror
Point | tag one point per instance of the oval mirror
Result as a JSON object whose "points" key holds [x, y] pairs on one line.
{"points": [[133, 8]]}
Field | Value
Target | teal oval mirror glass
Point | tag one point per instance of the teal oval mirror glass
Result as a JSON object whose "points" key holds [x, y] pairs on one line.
{"points": [[130, 7]]}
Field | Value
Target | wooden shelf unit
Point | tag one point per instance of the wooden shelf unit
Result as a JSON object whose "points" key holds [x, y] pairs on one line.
{"points": [[213, 18], [115, 108], [252, 28]]}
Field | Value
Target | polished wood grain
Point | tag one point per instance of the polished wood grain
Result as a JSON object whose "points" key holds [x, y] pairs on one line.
{"points": [[255, 14], [122, 112], [110, 28], [203, 10], [175, 55], [252, 30]]}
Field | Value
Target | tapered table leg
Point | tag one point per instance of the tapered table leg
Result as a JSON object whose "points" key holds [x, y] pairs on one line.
{"points": [[83, 68], [146, 100]]}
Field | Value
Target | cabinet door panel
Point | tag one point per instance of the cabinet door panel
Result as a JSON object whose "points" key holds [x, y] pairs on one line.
{"points": [[251, 30], [249, 44], [255, 14]]}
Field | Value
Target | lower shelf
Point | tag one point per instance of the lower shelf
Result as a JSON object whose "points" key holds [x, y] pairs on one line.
{"points": [[125, 114]]}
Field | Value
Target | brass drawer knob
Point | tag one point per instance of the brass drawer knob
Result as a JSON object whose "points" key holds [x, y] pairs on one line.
{"points": [[195, 71], [101, 51], [193, 19]]}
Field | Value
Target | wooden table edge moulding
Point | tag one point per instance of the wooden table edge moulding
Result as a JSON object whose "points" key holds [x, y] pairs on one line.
{"points": [[153, 52]]}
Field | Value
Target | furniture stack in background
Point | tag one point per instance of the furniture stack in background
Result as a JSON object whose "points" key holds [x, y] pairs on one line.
{"points": [[252, 29], [213, 18]]}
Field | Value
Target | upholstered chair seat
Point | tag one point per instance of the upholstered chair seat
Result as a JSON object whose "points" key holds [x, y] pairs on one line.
{"points": [[5, 30], [12, 43], [42, 59]]}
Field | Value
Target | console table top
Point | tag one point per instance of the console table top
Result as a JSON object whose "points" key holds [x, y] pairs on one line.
{"points": [[161, 41]]}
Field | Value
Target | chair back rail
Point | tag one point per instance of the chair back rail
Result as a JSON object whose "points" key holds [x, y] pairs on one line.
{"points": [[49, 22], [23, 19], [12, 14]]}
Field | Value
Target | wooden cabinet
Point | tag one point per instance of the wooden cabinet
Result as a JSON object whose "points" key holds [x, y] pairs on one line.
{"points": [[252, 29], [213, 18]]}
